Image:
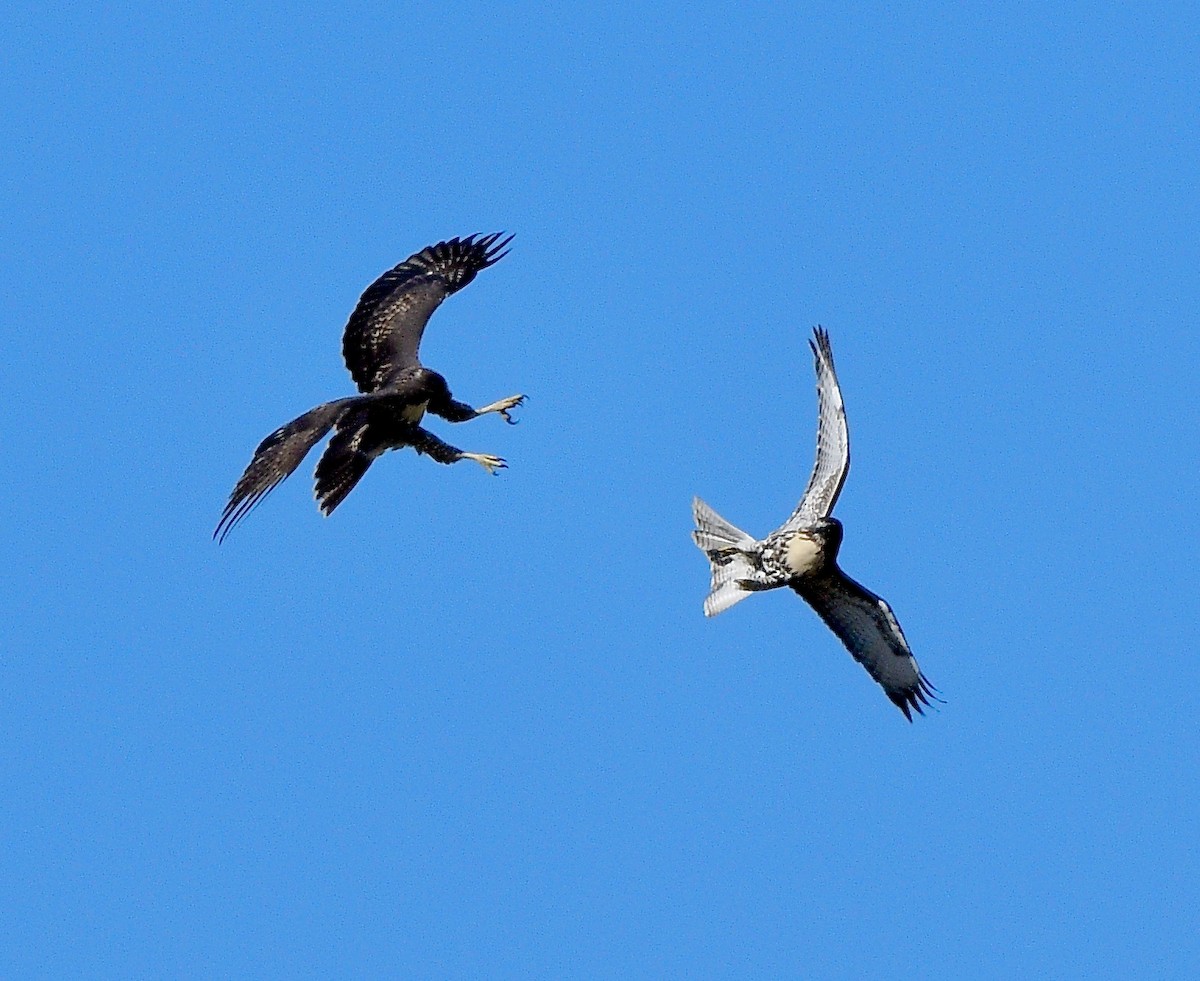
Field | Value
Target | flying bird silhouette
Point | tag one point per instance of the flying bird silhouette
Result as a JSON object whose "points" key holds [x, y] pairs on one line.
{"points": [[802, 554], [380, 348]]}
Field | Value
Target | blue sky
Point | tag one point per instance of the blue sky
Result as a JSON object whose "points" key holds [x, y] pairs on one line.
{"points": [[479, 727]]}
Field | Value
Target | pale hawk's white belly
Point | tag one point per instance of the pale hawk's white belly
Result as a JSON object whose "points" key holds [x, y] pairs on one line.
{"points": [[802, 555]]}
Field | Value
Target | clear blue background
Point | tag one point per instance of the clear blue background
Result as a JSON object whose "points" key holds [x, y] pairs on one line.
{"points": [[476, 726]]}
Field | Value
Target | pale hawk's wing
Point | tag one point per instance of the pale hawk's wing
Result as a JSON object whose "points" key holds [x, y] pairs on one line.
{"points": [[384, 331], [833, 441], [867, 627]]}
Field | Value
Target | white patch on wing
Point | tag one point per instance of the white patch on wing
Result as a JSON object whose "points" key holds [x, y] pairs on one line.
{"points": [[892, 622], [803, 555]]}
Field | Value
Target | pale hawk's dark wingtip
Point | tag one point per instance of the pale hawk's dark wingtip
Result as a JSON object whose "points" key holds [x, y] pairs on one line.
{"points": [[922, 694], [822, 349]]}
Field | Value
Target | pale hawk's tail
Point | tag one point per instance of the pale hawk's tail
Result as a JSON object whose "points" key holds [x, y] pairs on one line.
{"points": [[726, 548]]}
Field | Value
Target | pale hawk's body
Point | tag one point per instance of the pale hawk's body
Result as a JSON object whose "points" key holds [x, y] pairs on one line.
{"points": [[380, 349], [802, 554]]}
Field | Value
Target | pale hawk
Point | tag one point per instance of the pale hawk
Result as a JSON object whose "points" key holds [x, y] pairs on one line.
{"points": [[802, 554]]}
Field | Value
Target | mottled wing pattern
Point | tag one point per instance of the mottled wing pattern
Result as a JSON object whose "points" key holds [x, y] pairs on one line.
{"points": [[384, 332], [277, 458], [867, 627], [833, 441]]}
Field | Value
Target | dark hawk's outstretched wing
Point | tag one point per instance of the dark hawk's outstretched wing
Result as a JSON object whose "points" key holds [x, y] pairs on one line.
{"points": [[277, 458], [870, 631], [833, 441], [384, 332]]}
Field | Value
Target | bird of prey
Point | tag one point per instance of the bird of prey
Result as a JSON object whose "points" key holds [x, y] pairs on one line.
{"points": [[802, 554], [380, 349]]}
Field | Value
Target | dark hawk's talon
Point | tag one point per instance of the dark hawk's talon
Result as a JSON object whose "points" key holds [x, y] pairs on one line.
{"points": [[489, 463], [502, 406]]}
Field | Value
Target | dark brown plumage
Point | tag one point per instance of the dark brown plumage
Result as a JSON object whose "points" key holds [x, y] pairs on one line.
{"points": [[380, 345]]}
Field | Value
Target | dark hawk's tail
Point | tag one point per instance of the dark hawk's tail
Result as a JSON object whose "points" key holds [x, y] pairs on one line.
{"points": [[345, 460]]}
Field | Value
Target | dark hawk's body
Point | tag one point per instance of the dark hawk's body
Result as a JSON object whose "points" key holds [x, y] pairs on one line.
{"points": [[380, 347], [802, 554]]}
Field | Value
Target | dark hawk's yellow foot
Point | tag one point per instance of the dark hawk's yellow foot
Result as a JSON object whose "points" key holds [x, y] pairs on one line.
{"points": [[503, 406], [489, 463]]}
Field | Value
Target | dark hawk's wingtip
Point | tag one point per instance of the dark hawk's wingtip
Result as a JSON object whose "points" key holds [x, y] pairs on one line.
{"points": [[470, 253], [241, 503], [493, 246], [234, 512]]}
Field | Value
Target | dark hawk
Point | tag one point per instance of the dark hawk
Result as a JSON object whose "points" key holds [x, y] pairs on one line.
{"points": [[380, 348], [802, 554]]}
